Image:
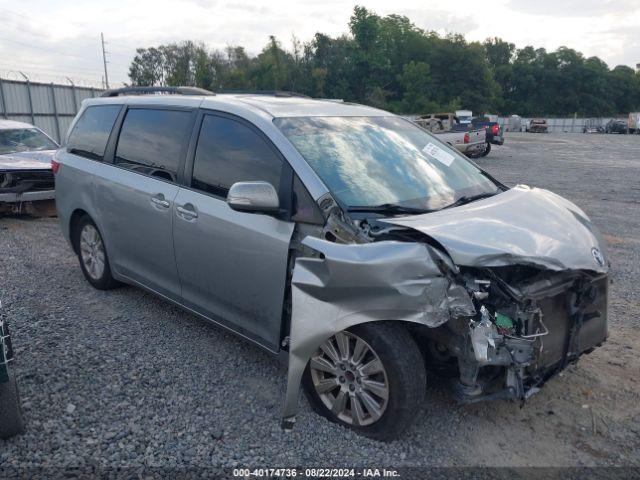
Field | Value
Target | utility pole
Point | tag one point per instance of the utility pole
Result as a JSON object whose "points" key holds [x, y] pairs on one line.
{"points": [[104, 60]]}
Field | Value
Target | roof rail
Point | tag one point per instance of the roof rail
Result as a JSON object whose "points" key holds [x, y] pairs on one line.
{"points": [[155, 90], [275, 93]]}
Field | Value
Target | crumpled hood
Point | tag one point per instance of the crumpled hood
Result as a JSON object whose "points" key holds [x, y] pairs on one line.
{"points": [[37, 160], [527, 226]]}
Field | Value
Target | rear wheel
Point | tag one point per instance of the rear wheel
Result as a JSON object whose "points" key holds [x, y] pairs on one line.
{"points": [[370, 378], [92, 255], [486, 151]]}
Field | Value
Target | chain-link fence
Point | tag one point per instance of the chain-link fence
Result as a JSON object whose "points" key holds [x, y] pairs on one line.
{"points": [[556, 125]]}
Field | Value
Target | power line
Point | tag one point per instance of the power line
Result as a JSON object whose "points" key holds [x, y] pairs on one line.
{"points": [[43, 49], [58, 72], [65, 68], [38, 47], [15, 13]]}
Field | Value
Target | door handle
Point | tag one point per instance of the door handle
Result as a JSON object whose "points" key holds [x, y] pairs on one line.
{"points": [[159, 201], [187, 211]]}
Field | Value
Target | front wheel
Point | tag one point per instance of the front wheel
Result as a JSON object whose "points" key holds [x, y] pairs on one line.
{"points": [[370, 378]]}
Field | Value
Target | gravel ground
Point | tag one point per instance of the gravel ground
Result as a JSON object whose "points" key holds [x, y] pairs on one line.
{"points": [[122, 378]]}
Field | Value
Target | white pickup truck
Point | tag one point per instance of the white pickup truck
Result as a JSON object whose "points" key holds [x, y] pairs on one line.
{"points": [[471, 142]]}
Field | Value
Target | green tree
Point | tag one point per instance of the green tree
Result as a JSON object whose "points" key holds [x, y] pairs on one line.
{"points": [[147, 67], [388, 62], [416, 83], [272, 67]]}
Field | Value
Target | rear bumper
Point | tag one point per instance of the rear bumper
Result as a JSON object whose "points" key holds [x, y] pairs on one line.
{"points": [[13, 197]]}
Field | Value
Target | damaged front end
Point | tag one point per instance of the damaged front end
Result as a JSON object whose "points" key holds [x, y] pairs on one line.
{"points": [[27, 182], [24, 191], [530, 325], [495, 295], [341, 285]]}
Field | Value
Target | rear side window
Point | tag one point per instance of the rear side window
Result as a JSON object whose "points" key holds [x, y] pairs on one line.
{"points": [[91, 132], [152, 140], [229, 151]]}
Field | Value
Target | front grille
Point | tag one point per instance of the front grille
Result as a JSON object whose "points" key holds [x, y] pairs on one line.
{"points": [[26, 181]]}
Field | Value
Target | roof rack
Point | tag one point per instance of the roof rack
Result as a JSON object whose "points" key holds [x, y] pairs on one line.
{"points": [[156, 90], [275, 93]]}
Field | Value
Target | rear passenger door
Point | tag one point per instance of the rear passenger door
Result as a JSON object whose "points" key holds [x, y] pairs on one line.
{"points": [[233, 265], [136, 201]]}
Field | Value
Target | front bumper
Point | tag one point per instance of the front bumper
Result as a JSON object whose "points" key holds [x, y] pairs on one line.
{"points": [[18, 186], [15, 197]]}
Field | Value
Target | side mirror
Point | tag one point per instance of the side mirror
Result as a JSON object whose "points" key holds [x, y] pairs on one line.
{"points": [[253, 197]]}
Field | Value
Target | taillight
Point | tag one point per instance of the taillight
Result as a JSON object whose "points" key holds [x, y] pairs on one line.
{"points": [[495, 130], [466, 137], [55, 166]]}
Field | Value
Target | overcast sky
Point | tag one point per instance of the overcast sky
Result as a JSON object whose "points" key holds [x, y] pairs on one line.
{"points": [[51, 39]]}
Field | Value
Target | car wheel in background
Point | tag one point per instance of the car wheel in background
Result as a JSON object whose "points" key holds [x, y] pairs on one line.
{"points": [[486, 151], [370, 378], [92, 254], [10, 410]]}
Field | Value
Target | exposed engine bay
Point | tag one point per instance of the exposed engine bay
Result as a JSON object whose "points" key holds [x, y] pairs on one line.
{"points": [[530, 324], [496, 300]]}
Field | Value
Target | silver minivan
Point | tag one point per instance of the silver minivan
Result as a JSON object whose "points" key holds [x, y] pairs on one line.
{"points": [[344, 239]]}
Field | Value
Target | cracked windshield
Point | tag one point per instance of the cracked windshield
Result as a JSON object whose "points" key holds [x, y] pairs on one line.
{"points": [[369, 161]]}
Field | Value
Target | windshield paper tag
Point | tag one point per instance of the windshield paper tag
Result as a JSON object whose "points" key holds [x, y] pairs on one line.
{"points": [[439, 154]]}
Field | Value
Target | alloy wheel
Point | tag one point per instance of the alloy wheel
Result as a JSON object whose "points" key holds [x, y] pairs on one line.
{"points": [[92, 251], [350, 379]]}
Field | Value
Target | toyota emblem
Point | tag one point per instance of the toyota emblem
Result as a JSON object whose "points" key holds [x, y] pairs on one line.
{"points": [[597, 256]]}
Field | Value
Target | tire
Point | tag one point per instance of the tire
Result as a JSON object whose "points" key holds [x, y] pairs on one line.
{"points": [[402, 373], [480, 154], [486, 151], [10, 410], [11, 422], [92, 255]]}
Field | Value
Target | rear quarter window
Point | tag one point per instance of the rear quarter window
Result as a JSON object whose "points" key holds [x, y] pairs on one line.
{"points": [[91, 132]]}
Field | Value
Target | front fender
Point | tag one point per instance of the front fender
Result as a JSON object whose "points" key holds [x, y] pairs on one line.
{"points": [[347, 285]]}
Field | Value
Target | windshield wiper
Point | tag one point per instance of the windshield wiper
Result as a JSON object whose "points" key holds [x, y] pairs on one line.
{"points": [[471, 198], [388, 208]]}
